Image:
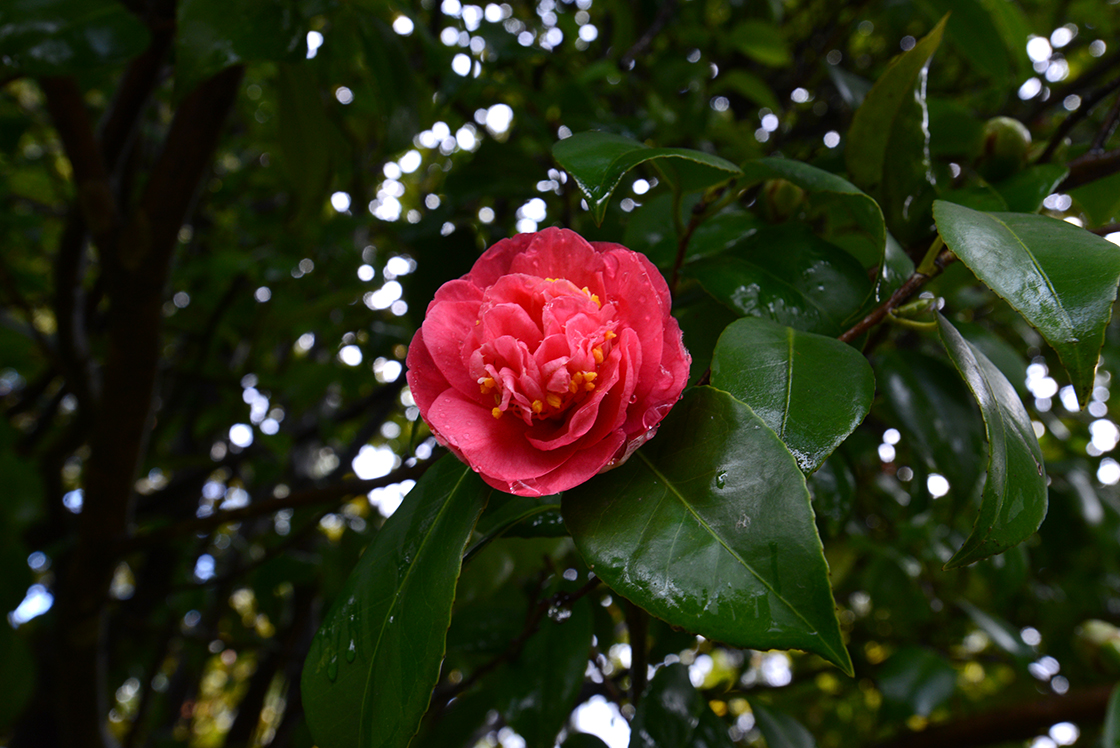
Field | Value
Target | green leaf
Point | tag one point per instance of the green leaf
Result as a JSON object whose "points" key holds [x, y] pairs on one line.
{"points": [[1003, 635], [748, 86], [810, 389], [701, 323], [887, 153], [763, 42], [916, 680], [1061, 278], [936, 416], [304, 136], [810, 285], [59, 37], [1025, 191], [1100, 199], [781, 730], [709, 527], [1013, 503], [541, 686], [373, 663], [1111, 734], [598, 160], [827, 187], [212, 35], [673, 713], [652, 231], [975, 35]]}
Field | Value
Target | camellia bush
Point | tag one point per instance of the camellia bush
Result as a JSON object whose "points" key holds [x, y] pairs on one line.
{"points": [[581, 373]]}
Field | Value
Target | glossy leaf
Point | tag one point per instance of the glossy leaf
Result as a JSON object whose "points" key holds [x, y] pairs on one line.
{"points": [[212, 35], [58, 37], [810, 389], [521, 517], [916, 680], [1013, 503], [709, 527], [810, 285], [780, 729], [674, 713], [1061, 278], [935, 414], [825, 186], [888, 144], [541, 686], [374, 662], [652, 231], [598, 160]]}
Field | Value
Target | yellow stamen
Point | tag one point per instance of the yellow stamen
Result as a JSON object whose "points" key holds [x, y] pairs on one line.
{"points": [[578, 377], [595, 298], [496, 412], [537, 406], [573, 386], [486, 384], [589, 386], [609, 335], [553, 399], [589, 376], [597, 352], [478, 322]]}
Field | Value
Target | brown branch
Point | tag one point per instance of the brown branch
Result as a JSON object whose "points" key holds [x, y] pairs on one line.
{"points": [[299, 499], [1076, 116], [1107, 127], [136, 261], [1015, 722], [904, 292], [1107, 229], [1091, 167]]}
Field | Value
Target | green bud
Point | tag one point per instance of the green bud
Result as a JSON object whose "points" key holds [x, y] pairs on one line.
{"points": [[781, 200], [1005, 146]]}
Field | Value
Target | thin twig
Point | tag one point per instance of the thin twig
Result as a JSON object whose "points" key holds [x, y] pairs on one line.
{"points": [[626, 62], [1076, 116], [912, 284], [1091, 167], [699, 214], [1107, 127]]}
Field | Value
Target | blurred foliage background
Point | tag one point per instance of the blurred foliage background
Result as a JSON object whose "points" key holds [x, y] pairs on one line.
{"points": [[221, 225]]}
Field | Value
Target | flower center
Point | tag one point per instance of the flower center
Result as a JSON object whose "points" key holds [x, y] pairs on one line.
{"points": [[538, 346]]}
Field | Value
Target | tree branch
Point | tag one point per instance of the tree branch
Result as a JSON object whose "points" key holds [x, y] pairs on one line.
{"points": [[912, 284], [1077, 116], [1091, 167], [1015, 722], [310, 497]]}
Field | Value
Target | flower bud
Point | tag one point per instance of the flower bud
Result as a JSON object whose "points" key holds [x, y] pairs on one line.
{"points": [[1005, 145]]}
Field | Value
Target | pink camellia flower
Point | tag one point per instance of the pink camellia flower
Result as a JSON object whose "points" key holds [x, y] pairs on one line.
{"points": [[552, 360]]}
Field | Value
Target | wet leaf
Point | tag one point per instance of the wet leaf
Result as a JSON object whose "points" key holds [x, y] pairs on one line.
{"points": [[1061, 278], [1013, 503], [709, 527], [373, 663], [810, 389], [598, 161], [888, 144], [810, 285]]}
